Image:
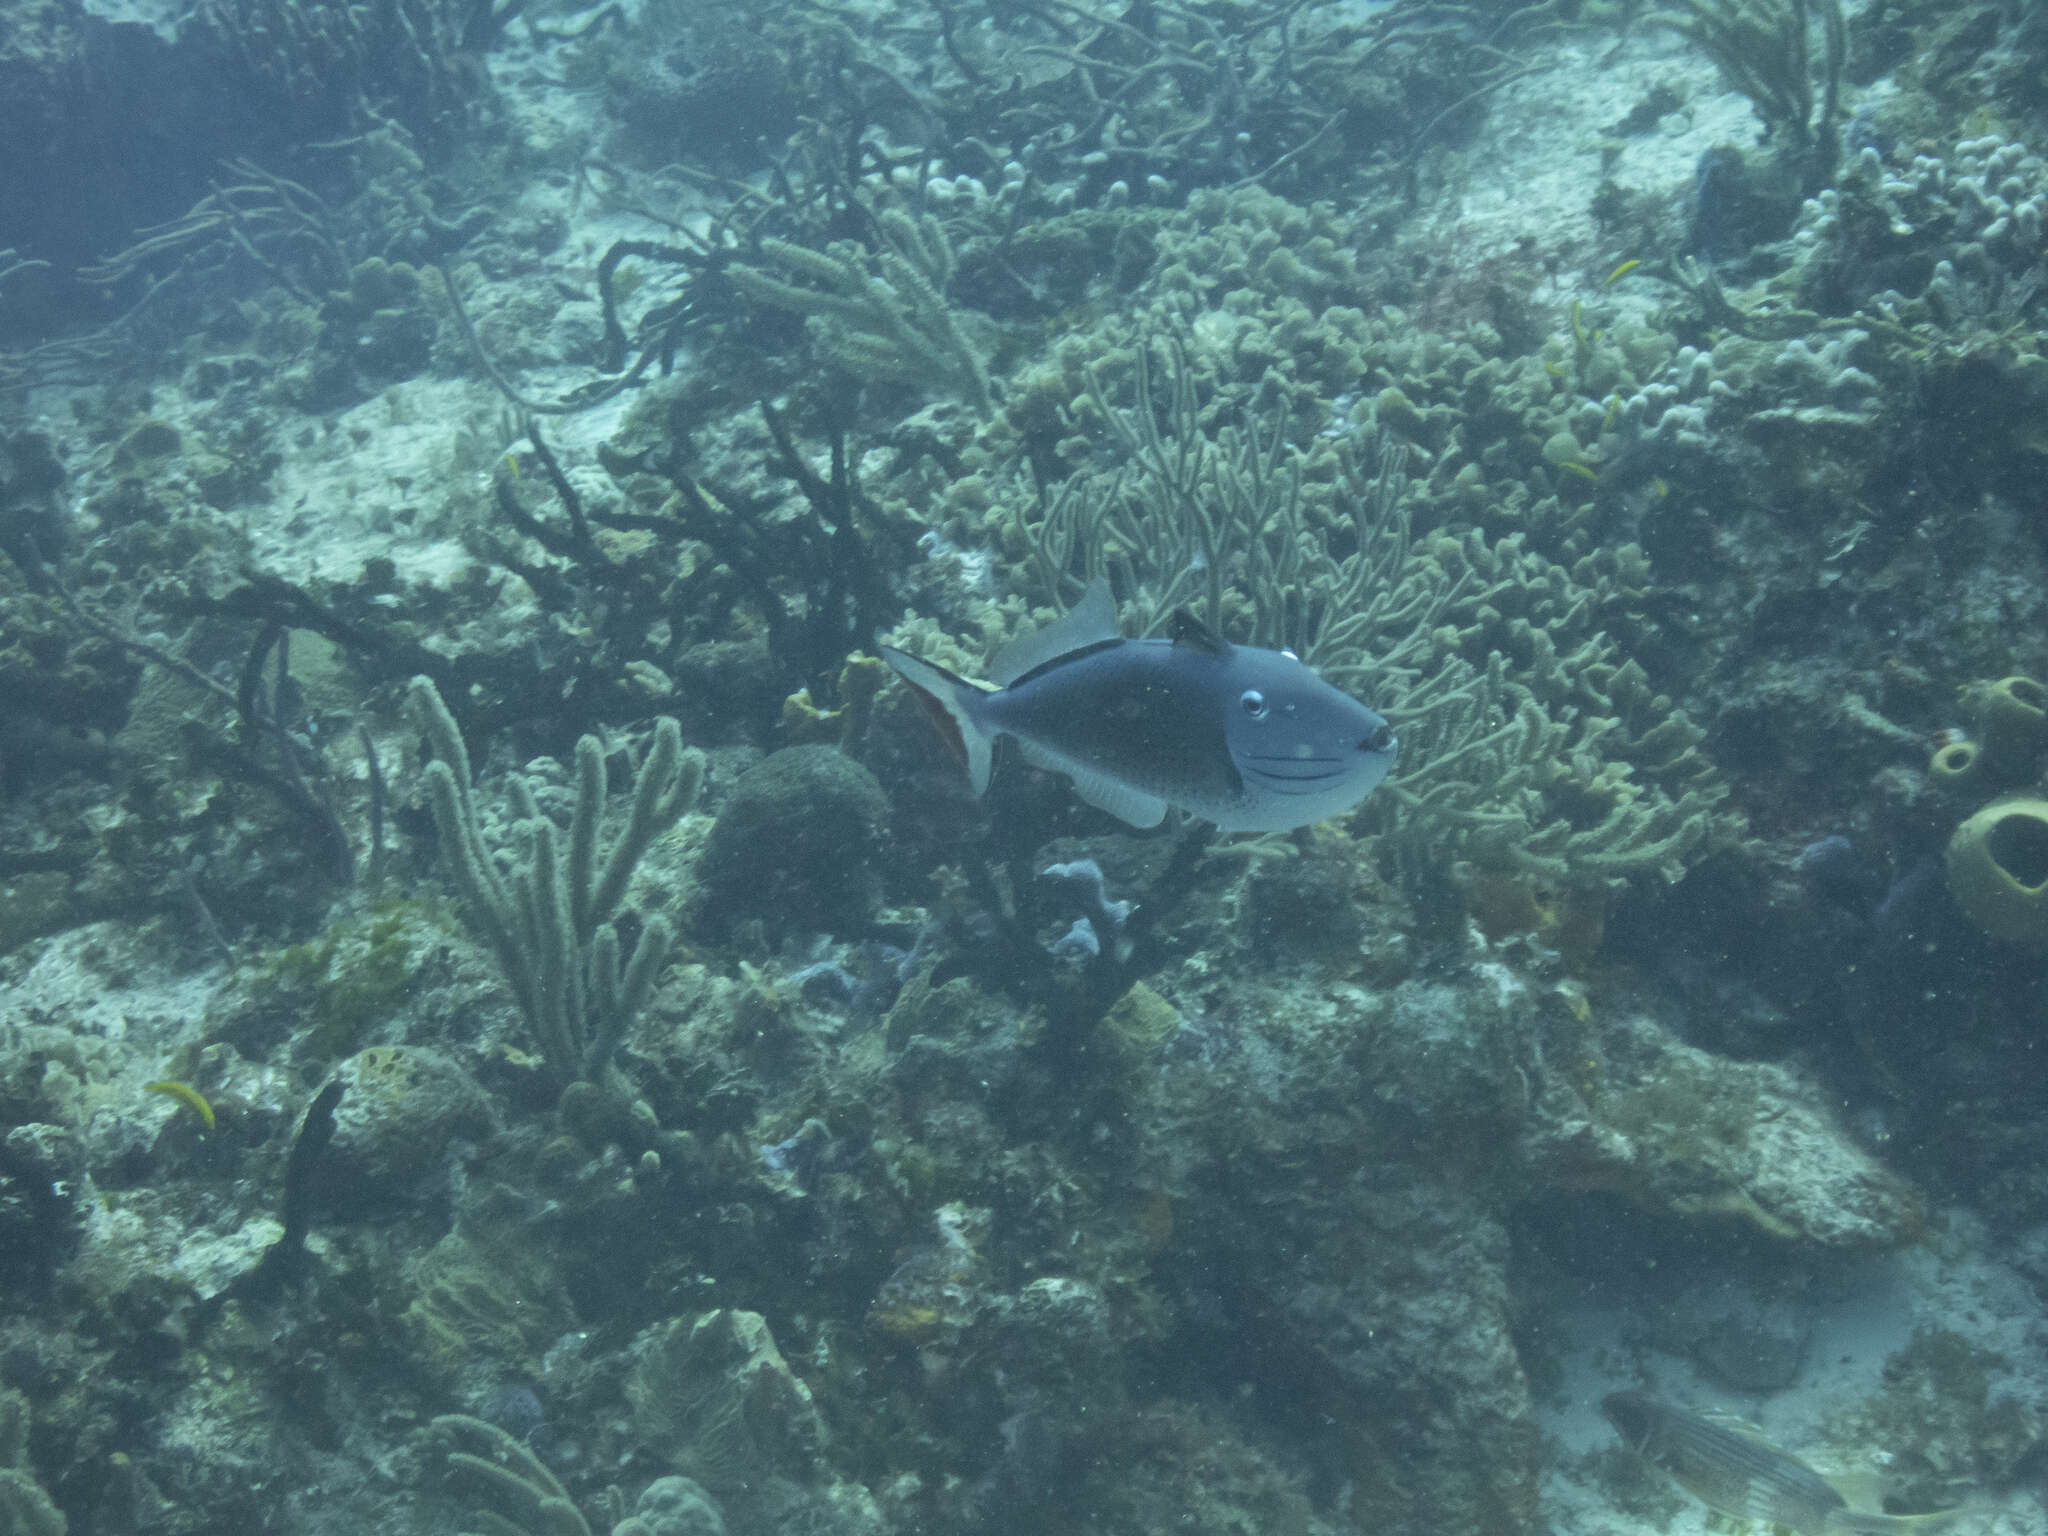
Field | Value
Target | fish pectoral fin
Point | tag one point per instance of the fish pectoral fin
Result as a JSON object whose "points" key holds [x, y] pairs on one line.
{"points": [[1098, 788], [1860, 1487]]}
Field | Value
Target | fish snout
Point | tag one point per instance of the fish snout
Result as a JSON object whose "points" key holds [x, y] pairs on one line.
{"points": [[1380, 739]]}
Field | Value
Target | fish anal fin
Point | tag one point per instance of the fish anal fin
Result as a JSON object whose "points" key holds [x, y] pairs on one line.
{"points": [[1856, 1523]]}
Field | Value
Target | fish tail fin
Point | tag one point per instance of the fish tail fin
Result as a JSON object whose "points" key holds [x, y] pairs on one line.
{"points": [[943, 695]]}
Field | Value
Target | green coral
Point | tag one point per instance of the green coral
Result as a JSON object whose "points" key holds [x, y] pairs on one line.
{"points": [[880, 313], [1532, 745], [1553, 757], [522, 1496], [549, 919], [1765, 48]]}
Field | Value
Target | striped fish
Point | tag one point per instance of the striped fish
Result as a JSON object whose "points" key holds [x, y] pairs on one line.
{"points": [[1733, 1468]]}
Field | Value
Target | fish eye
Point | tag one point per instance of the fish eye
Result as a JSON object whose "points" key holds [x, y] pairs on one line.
{"points": [[1379, 738], [1254, 703]]}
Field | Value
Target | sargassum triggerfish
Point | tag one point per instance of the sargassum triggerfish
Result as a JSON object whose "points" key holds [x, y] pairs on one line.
{"points": [[1250, 739]]}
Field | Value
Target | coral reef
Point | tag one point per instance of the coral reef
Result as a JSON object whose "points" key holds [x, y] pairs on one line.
{"points": [[1998, 869], [716, 1394], [807, 1146], [673, 1506], [1765, 47]]}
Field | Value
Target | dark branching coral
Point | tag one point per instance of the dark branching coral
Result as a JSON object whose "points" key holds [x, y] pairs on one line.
{"points": [[313, 67], [1004, 939], [39, 1218], [25, 1508], [267, 745], [818, 580]]}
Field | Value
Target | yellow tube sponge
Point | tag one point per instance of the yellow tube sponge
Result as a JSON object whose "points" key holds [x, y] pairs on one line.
{"points": [[1998, 869], [2012, 717]]}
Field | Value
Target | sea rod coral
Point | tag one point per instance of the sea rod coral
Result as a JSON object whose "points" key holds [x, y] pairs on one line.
{"points": [[549, 920]]}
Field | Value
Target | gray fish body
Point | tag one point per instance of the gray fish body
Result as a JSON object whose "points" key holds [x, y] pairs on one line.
{"points": [[1739, 1472], [1247, 738]]}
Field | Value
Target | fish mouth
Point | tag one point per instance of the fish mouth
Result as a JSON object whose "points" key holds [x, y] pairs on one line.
{"points": [[1295, 775]]}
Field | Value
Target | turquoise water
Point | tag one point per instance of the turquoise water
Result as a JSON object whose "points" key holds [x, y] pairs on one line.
{"points": [[511, 1016]]}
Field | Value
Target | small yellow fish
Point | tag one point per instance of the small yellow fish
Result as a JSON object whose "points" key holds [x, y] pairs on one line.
{"points": [[186, 1095], [1733, 1468]]}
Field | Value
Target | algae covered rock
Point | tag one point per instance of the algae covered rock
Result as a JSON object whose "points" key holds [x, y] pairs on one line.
{"points": [[1402, 1314], [716, 1396], [941, 1284], [487, 1294], [1341, 1158], [1746, 1339], [1691, 1135], [797, 845], [401, 1109]]}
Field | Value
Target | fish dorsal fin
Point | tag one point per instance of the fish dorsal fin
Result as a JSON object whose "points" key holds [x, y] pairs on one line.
{"points": [[1190, 633], [1091, 621], [1736, 1424]]}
